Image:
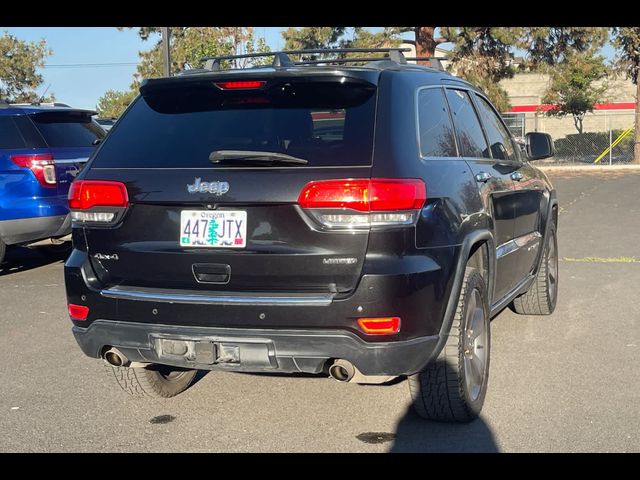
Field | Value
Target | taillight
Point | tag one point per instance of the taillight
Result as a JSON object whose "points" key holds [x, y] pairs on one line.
{"points": [[41, 165], [357, 203], [97, 200], [380, 326], [78, 312], [241, 84]]}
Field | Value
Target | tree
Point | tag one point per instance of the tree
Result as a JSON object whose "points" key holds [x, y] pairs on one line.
{"points": [[575, 86], [19, 61], [190, 44], [627, 41], [335, 37], [548, 46], [114, 102], [483, 55]]}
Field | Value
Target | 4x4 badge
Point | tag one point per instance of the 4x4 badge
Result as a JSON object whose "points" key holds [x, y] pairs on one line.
{"points": [[215, 188]]}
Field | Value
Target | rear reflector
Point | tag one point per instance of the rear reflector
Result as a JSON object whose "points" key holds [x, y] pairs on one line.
{"points": [[364, 195], [85, 194], [379, 326], [78, 312], [241, 84], [41, 165]]}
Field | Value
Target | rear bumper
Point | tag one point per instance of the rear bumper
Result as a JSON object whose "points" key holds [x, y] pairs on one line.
{"points": [[257, 349], [31, 229], [281, 332]]}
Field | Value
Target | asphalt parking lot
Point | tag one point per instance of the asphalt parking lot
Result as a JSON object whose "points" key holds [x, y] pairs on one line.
{"points": [[568, 382]]}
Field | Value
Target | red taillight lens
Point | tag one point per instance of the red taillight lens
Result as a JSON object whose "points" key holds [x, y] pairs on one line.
{"points": [[241, 84], [351, 194], [78, 312], [41, 165], [385, 195], [85, 194], [364, 195], [380, 326]]}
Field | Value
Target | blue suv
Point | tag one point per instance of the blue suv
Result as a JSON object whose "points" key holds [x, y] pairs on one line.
{"points": [[42, 149]]}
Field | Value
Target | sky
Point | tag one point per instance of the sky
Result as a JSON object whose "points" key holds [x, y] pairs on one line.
{"points": [[88, 61]]}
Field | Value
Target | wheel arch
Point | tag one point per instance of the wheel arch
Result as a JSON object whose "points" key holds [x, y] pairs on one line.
{"points": [[479, 247]]}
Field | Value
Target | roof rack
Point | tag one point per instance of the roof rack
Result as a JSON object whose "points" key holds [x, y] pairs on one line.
{"points": [[39, 104], [436, 62], [281, 59]]}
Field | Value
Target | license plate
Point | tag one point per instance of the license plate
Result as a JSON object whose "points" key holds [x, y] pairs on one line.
{"points": [[206, 228]]}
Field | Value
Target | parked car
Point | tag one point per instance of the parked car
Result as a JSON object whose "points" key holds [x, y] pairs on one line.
{"points": [[362, 222], [42, 148]]}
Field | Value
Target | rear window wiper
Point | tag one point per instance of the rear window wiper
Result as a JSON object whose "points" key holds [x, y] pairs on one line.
{"points": [[229, 156]]}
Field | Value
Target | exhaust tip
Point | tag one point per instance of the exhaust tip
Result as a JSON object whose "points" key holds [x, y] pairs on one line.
{"points": [[115, 358], [342, 370]]}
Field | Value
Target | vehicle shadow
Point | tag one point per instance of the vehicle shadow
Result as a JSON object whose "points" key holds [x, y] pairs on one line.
{"points": [[415, 434], [21, 259]]}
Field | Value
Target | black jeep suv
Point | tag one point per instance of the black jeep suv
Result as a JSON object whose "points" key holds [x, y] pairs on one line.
{"points": [[364, 222]]}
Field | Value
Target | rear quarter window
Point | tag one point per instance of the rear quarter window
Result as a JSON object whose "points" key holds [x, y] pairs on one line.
{"points": [[10, 136], [437, 138]]}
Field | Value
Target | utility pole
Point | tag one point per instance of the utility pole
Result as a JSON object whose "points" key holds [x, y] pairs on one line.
{"points": [[166, 56]]}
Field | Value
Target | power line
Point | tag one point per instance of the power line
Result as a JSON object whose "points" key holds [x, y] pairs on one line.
{"points": [[89, 65]]}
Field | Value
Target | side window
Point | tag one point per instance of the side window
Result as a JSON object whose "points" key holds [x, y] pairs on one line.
{"points": [[468, 130], [434, 125], [9, 134], [498, 135]]}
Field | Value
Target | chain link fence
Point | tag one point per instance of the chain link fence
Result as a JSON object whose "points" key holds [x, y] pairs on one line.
{"points": [[607, 137]]}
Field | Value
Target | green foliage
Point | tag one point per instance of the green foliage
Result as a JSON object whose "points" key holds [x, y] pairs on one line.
{"points": [[483, 55], [113, 103], [572, 86], [190, 44], [335, 37], [627, 41], [551, 45], [19, 61], [313, 37], [591, 144]]}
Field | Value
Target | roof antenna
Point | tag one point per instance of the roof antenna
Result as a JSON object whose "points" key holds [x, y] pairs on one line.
{"points": [[41, 99]]}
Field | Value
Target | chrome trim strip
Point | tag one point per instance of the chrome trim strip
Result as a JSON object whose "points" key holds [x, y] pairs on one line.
{"points": [[71, 160], [148, 295], [512, 245]]}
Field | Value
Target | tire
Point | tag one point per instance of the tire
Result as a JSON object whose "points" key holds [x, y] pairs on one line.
{"points": [[155, 381], [542, 296], [3, 250], [453, 388]]}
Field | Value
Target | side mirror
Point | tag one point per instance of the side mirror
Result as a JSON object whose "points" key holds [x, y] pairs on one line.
{"points": [[539, 145]]}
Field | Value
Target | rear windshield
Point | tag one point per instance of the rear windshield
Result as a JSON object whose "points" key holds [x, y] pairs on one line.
{"points": [[67, 129], [329, 124]]}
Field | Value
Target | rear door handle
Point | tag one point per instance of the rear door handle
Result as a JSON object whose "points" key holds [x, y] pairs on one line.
{"points": [[211, 272], [483, 177], [517, 176]]}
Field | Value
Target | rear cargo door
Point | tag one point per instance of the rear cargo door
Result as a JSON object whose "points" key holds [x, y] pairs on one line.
{"points": [[214, 171]]}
